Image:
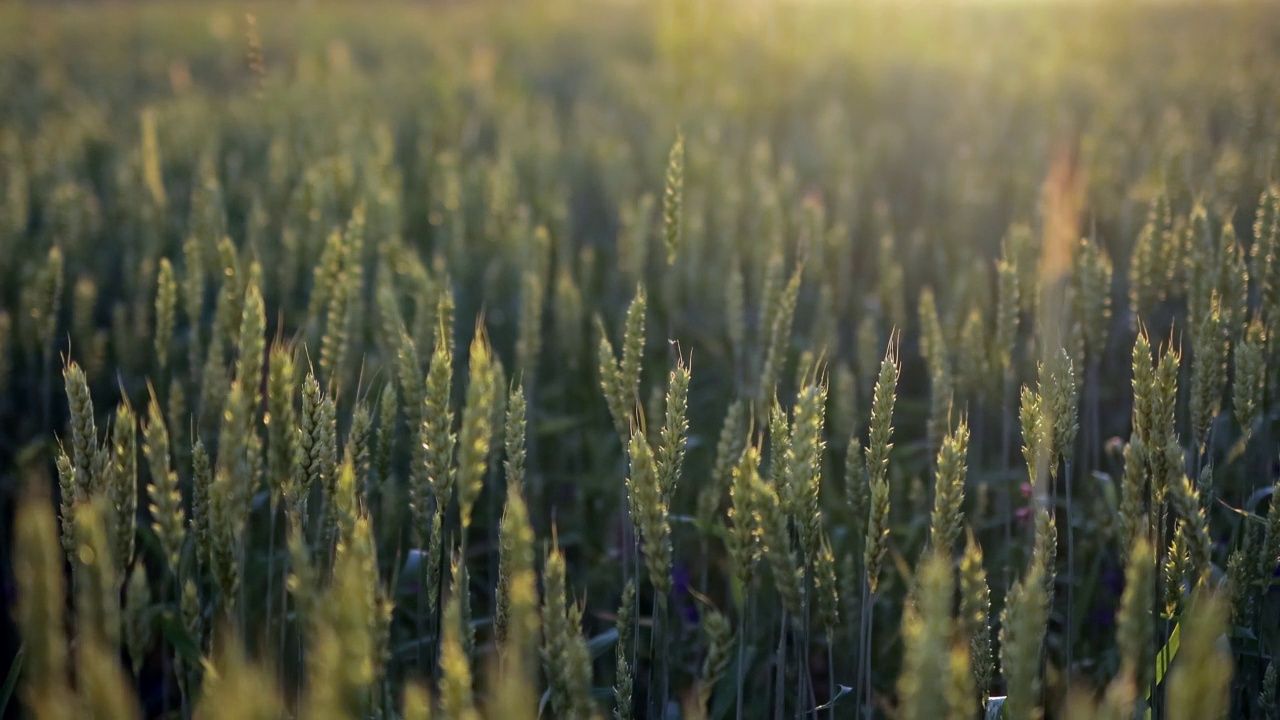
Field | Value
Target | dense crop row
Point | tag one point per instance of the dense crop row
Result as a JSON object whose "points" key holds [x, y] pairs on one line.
{"points": [[676, 359]]}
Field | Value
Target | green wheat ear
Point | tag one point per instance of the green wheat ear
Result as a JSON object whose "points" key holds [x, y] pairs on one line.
{"points": [[651, 514], [1249, 385], [477, 426], [138, 630], [948, 497], [122, 486], [1091, 276], [38, 573], [926, 636], [97, 589], [235, 687], [1199, 685], [877, 463], [720, 641], [1022, 628], [168, 519], [624, 679], [84, 433], [1134, 622], [515, 614], [975, 615], [456, 698], [672, 199], [674, 435], [166, 310]]}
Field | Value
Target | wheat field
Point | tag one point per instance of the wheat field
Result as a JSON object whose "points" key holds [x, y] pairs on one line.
{"points": [[676, 359]]}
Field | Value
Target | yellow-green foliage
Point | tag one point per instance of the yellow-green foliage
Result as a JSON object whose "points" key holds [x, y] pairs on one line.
{"points": [[319, 291]]}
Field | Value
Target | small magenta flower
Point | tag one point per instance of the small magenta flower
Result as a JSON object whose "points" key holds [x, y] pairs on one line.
{"points": [[1024, 513]]}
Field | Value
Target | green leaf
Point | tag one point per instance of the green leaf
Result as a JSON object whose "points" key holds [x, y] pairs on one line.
{"points": [[172, 629], [601, 643], [841, 691], [11, 682]]}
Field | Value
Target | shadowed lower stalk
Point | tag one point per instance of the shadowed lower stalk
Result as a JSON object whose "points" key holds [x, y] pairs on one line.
{"points": [[1006, 498], [1092, 419], [805, 697], [779, 684], [284, 613], [1071, 565], [742, 652], [421, 620], [832, 687], [864, 650], [635, 640], [666, 651], [271, 566], [655, 612], [1158, 638]]}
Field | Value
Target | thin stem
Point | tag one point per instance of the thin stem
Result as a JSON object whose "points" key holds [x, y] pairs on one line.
{"points": [[421, 618], [742, 650], [802, 654], [867, 643], [779, 702], [241, 589], [437, 617], [635, 629], [1159, 514], [1071, 564], [862, 643], [666, 653], [166, 666], [831, 679], [1006, 440], [271, 564], [653, 655], [1093, 419], [46, 390]]}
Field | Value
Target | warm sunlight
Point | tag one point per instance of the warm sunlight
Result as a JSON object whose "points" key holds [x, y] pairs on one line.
{"points": [[639, 359]]}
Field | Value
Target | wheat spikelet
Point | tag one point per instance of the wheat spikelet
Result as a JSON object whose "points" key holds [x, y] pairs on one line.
{"points": [[1198, 685], [38, 611], [456, 699], [96, 585], [975, 615], [674, 435], [650, 514], [166, 310], [1249, 384], [281, 421], [122, 486], [137, 625], [1022, 628], [1134, 624], [236, 689], [105, 690], [948, 496], [779, 337], [201, 517], [515, 613], [877, 464], [720, 642], [624, 680], [477, 426], [167, 515], [926, 637], [438, 439]]}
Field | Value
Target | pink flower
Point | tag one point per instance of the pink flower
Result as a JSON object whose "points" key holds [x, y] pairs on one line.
{"points": [[1023, 514]]}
